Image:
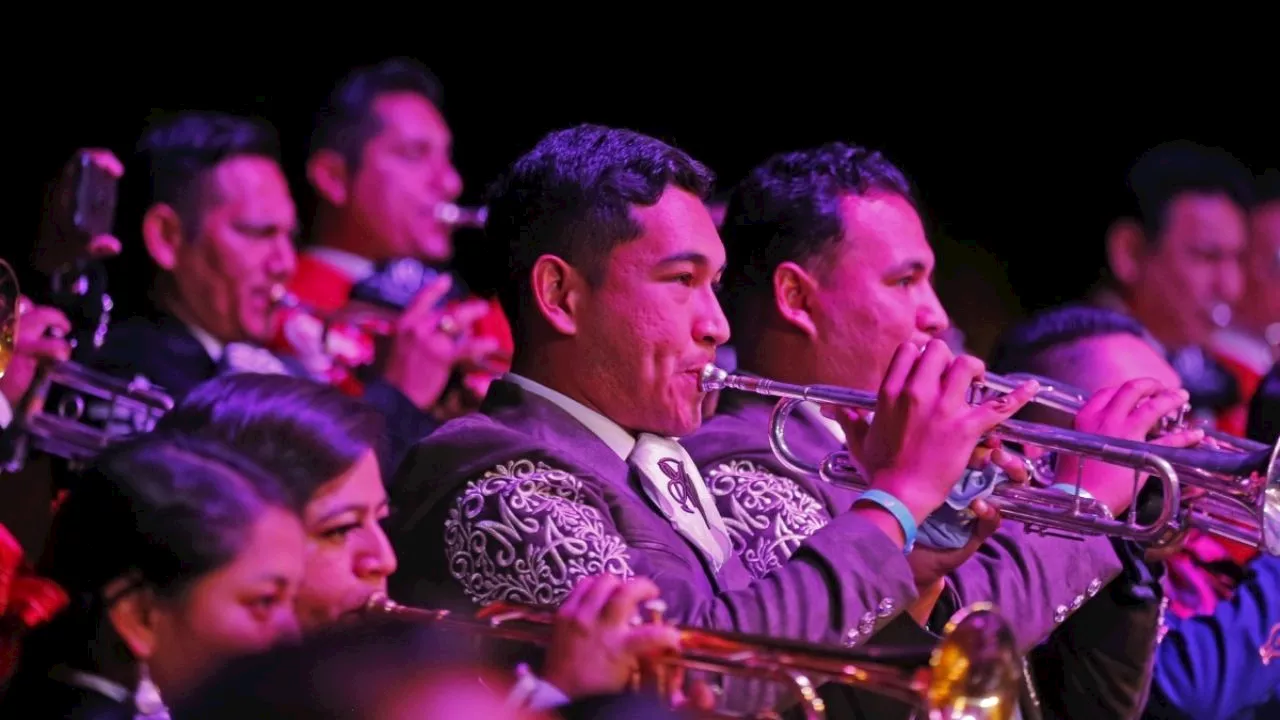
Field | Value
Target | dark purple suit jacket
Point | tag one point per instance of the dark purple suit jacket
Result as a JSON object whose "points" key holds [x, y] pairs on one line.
{"points": [[1038, 582], [520, 501]]}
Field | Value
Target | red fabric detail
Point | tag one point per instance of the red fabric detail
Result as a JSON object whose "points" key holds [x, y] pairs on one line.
{"points": [[26, 601]]}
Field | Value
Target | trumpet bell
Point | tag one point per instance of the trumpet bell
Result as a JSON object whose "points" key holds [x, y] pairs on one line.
{"points": [[9, 297], [976, 670]]}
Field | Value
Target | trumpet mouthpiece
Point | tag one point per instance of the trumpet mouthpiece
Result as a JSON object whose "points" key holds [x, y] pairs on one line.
{"points": [[712, 378]]}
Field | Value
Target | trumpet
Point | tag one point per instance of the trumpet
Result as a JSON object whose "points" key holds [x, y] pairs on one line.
{"points": [[1251, 517], [69, 411], [973, 673], [457, 216]]}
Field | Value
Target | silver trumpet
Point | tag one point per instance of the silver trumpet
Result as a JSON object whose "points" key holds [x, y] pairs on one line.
{"points": [[457, 216], [1252, 515], [68, 411], [1229, 508]]}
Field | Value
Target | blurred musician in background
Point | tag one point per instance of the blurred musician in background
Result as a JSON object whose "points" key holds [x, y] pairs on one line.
{"points": [[829, 271], [1210, 663], [382, 171], [1251, 344], [1174, 260], [176, 556], [569, 469], [218, 222]]}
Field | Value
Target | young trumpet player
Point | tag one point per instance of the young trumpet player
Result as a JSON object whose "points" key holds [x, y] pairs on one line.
{"points": [[569, 468], [1212, 660], [829, 270]]}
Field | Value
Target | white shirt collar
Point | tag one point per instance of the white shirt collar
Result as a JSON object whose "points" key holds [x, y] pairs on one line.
{"points": [[356, 268], [610, 432], [211, 344]]}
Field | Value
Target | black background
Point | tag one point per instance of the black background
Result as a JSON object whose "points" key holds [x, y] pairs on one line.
{"points": [[1019, 161]]}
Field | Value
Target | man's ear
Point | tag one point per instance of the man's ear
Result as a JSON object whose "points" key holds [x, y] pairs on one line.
{"points": [[1126, 246], [132, 616], [162, 234], [328, 173], [795, 295], [558, 291]]}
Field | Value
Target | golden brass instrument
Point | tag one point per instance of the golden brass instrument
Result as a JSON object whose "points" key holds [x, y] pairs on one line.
{"points": [[54, 414], [1252, 517], [974, 673]]}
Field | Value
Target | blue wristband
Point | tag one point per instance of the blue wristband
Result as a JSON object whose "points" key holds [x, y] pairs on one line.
{"points": [[1081, 492], [898, 511], [1072, 490]]}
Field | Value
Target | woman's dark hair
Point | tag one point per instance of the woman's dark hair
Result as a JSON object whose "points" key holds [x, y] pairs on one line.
{"points": [[303, 432], [162, 511]]}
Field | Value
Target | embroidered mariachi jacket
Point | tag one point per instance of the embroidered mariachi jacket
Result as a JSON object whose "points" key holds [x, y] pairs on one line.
{"points": [[1038, 582], [520, 501]]}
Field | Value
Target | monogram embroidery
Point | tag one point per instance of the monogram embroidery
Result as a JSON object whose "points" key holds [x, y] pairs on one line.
{"points": [[1271, 649], [678, 483], [768, 516], [523, 533]]}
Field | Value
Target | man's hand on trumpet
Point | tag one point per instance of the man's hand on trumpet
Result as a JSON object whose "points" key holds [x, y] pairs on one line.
{"points": [[925, 430], [427, 341], [1132, 411], [41, 338], [596, 645]]}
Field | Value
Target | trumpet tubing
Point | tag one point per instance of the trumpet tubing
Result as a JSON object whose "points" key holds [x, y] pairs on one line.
{"points": [[974, 672], [458, 216], [1250, 513], [69, 411]]}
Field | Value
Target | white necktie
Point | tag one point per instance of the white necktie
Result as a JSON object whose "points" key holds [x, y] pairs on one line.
{"points": [[240, 357], [673, 483]]}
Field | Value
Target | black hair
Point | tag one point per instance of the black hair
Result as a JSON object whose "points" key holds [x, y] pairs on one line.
{"points": [[1172, 169], [1021, 347], [787, 209], [347, 121], [571, 196], [302, 431]]}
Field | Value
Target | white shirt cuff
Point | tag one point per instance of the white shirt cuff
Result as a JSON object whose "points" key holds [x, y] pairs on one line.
{"points": [[6, 412]]}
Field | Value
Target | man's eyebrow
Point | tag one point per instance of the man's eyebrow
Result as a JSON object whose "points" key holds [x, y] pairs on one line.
{"points": [[693, 257]]}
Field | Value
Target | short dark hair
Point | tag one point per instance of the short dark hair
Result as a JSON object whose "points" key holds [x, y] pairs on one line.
{"points": [[303, 432], [163, 510], [1264, 409], [1172, 169], [347, 121], [787, 209], [177, 152], [571, 196], [1267, 188], [1022, 347]]}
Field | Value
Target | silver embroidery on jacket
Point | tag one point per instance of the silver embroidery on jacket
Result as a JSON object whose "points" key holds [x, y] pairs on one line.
{"points": [[768, 516], [523, 533]]}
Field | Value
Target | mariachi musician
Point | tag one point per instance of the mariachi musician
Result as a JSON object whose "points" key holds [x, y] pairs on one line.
{"points": [[381, 238]]}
